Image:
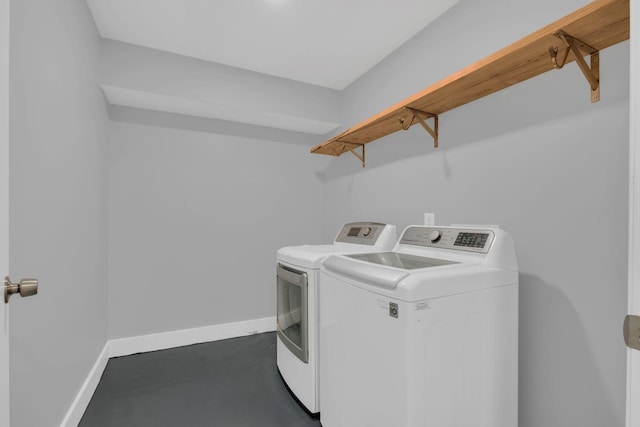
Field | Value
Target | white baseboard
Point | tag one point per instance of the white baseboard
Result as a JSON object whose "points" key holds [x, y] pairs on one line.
{"points": [[160, 341], [144, 343], [80, 403]]}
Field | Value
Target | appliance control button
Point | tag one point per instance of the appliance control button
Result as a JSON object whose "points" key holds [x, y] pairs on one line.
{"points": [[366, 231], [435, 236]]}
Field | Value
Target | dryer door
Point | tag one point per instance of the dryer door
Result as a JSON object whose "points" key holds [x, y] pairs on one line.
{"points": [[292, 311]]}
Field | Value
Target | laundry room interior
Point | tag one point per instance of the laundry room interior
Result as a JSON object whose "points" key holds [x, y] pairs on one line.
{"points": [[142, 215]]}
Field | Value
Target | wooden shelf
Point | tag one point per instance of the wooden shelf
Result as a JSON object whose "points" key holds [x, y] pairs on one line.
{"points": [[600, 24]]}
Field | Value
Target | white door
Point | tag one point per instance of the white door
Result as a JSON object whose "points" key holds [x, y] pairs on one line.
{"points": [[633, 358], [4, 208]]}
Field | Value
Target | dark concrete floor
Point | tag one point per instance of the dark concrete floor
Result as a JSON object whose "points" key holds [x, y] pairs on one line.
{"points": [[229, 383]]}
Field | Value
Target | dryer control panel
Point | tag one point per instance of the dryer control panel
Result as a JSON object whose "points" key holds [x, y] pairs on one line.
{"points": [[363, 233], [471, 240]]}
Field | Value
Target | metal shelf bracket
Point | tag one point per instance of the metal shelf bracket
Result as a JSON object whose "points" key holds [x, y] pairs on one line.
{"points": [[422, 117], [576, 46], [361, 157], [351, 147]]}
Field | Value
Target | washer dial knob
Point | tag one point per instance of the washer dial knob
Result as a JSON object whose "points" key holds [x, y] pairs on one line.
{"points": [[367, 231], [435, 236]]}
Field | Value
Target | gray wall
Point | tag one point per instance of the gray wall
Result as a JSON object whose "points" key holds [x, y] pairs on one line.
{"points": [[196, 217], [57, 206], [537, 159], [193, 202]]}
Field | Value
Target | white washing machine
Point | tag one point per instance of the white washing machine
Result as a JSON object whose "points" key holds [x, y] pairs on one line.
{"points": [[423, 336], [298, 271]]}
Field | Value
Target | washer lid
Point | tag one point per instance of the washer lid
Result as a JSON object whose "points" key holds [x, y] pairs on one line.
{"points": [[419, 282], [372, 274], [401, 260]]}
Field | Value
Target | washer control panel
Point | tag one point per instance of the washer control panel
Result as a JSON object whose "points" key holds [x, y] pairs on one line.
{"points": [[364, 233], [471, 240]]}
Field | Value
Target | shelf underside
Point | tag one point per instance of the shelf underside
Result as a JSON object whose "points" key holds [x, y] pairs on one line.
{"points": [[600, 24]]}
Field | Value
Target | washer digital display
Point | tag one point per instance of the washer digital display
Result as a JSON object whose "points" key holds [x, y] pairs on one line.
{"points": [[471, 240]]}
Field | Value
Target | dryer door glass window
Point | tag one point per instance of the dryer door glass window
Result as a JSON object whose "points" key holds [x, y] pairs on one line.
{"points": [[292, 311]]}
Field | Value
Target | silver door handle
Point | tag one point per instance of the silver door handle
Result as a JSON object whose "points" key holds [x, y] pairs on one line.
{"points": [[26, 288]]}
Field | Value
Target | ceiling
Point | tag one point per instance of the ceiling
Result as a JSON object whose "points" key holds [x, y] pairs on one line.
{"points": [[328, 43]]}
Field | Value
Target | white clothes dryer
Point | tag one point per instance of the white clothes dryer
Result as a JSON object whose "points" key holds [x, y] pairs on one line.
{"points": [[425, 335], [298, 272]]}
